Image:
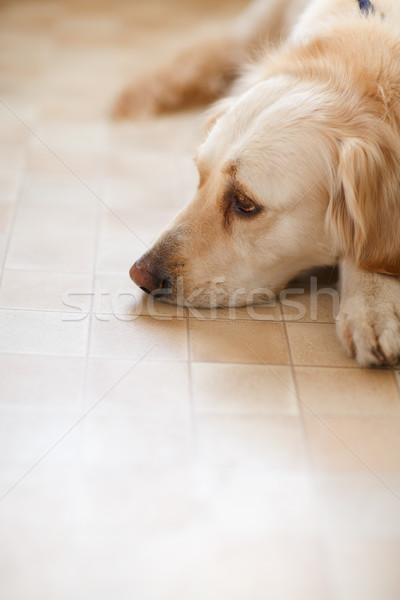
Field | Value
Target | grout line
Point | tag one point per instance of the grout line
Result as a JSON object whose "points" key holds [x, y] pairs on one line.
{"points": [[222, 414], [158, 317], [193, 416], [99, 222], [397, 380], [243, 414], [85, 313], [310, 462], [91, 307], [130, 357], [320, 538], [47, 271], [15, 210], [116, 274]]}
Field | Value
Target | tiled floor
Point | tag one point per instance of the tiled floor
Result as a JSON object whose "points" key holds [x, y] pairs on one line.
{"points": [[147, 451]]}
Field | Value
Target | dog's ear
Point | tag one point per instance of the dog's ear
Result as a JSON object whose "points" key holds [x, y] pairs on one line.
{"points": [[364, 210], [215, 112]]}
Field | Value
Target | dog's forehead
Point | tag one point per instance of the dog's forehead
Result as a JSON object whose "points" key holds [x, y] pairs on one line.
{"points": [[273, 140], [268, 119], [238, 122]]}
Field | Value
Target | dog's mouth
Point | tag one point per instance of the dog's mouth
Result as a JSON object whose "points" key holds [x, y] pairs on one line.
{"points": [[159, 293]]}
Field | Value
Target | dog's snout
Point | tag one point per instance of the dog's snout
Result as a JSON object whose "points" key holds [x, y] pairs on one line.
{"points": [[147, 277]]}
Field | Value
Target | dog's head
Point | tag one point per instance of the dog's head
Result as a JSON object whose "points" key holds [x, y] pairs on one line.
{"points": [[279, 192]]}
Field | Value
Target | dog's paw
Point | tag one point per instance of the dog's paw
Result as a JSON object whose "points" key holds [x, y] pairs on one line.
{"points": [[195, 77], [369, 324], [139, 100]]}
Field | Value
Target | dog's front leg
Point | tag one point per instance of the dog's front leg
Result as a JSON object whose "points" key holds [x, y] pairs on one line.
{"points": [[369, 318]]}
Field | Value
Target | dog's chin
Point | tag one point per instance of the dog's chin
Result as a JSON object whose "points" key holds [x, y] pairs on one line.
{"points": [[210, 299]]}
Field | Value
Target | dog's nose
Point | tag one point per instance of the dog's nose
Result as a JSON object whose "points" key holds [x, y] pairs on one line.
{"points": [[146, 277]]}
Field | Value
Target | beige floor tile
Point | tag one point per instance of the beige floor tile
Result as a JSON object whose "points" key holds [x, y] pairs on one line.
{"points": [[35, 332], [276, 567], [173, 131], [22, 102], [147, 226], [101, 29], [144, 202], [117, 255], [138, 338], [354, 443], [117, 294], [137, 441], [131, 217], [250, 441], [281, 568], [139, 163], [317, 306], [9, 187], [6, 211], [156, 500], [250, 567], [74, 103], [12, 158], [41, 382], [238, 342], [392, 478], [50, 516], [352, 392], [46, 291], [125, 387], [279, 502], [131, 192], [3, 247], [163, 527], [51, 252], [366, 569], [126, 219], [13, 131], [64, 191], [243, 389], [315, 344], [74, 217], [358, 504], [27, 436], [48, 159], [70, 137]]}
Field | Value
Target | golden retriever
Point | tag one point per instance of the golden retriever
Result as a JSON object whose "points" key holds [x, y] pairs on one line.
{"points": [[300, 168]]}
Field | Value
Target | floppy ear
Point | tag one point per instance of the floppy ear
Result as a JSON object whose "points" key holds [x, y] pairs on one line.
{"points": [[364, 211]]}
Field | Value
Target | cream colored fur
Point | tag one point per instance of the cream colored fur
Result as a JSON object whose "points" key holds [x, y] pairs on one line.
{"points": [[310, 134]]}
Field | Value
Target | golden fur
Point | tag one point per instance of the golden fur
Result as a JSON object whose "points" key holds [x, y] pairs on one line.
{"points": [[365, 209], [300, 167]]}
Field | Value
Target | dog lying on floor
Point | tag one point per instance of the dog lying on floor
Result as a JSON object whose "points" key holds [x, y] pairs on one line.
{"points": [[300, 168]]}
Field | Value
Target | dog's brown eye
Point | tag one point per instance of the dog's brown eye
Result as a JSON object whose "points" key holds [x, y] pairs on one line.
{"points": [[244, 205]]}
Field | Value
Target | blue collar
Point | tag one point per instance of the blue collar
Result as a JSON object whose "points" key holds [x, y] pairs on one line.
{"points": [[366, 7]]}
